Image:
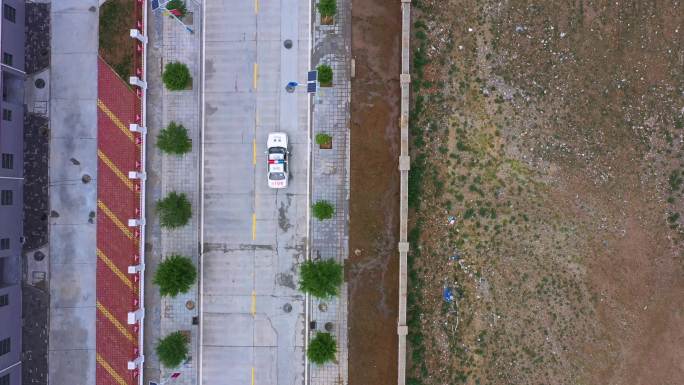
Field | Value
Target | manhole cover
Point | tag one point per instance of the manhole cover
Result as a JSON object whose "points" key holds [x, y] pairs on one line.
{"points": [[190, 305], [323, 307], [38, 256], [328, 326], [86, 178], [40, 83], [287, 43], [287, 308]]}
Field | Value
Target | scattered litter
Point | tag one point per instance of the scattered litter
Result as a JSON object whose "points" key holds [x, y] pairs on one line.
{"points": [[455, 257], [520, 28], [451, 219], [448, 295]]}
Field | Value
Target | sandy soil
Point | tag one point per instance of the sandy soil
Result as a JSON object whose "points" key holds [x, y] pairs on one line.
{"points": [[372, 269], [549, 138], [117, 17]]}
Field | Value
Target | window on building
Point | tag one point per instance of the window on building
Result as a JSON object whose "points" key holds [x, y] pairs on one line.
{"points": [[8, 161], [4, 380], [6, 197], [4, 346], [9, 13], [6, 114], [7, 58], [4, 244], [4, 300]]}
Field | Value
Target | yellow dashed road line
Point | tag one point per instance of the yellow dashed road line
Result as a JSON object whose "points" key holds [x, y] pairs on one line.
{"points": [[252, 376], [110, 370], [116, 271], [256, 6], [115, 322], [253, 303], [254, 226], [256, 75], [114, 219], [115, 169], [254, 152], [116, 120]]}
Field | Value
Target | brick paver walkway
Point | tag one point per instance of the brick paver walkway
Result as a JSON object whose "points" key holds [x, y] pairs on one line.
{"points": [[330, 180]]}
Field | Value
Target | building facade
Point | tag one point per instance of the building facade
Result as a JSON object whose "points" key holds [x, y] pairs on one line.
{"points": [[12, 71]]}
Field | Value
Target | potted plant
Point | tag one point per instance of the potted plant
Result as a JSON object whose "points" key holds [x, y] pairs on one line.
{"points": [[322, 348], [174, 139], [174, 211], [324, 141], [327, 9], [325, 75], [177, 8], [172, 349], [323, 210], [321, 279], [176, 76], [175, 275]]}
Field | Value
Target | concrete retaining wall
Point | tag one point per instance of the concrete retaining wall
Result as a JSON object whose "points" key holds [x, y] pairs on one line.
{"points": [[404, 166]]}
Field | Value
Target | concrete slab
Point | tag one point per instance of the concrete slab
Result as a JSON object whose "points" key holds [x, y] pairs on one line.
{"points": [[73, 133], [80, 363]]}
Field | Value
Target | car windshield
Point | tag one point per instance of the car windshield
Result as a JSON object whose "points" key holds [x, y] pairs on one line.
{"points": [[276, 150], [276, 176]]}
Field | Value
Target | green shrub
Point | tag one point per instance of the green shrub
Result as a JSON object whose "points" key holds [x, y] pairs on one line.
{"points": [[175, 275], [323, 139], [174, 139], [327, 8], [179, 5], [172, 349], [322, 348], [176, 76], [325, 74], [174, 210], [323, 210], [321, 279]]}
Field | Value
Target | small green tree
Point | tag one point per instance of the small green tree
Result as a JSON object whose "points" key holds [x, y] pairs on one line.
{"points": [[322, 348], [323, 210], [174, 210], [323, 139], [175, 275], [325, 74], [178, 5], [327, 8], [172, 349], [176, 76], [321, 279], [174, 139]]}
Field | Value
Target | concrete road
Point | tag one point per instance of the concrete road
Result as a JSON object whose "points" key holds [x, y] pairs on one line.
{"points": [[253, 238]]}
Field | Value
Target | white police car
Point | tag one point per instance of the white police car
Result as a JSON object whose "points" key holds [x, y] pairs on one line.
{"points": [[277, 155]]}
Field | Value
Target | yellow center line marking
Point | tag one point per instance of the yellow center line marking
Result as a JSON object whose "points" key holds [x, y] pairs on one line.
{"points": [[252, 375], [114, 219], [116, 271], [256, 75], [110, 370], [254, 226], [253, 303], [105, 159], [115, 120], [254, 152], [115, 322], [256, 6]]}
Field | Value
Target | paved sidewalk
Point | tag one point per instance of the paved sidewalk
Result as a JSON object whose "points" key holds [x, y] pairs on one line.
{"points": [[181, 174], [170, 42], [330, 181]]}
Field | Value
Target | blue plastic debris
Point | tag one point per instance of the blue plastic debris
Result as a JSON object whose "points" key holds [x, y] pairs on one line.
{"points": [[448, 295]]}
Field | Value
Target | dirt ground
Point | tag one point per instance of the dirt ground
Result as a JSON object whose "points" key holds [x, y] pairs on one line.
{"points": [[372, 269], [546, 191], [117, 17]]}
